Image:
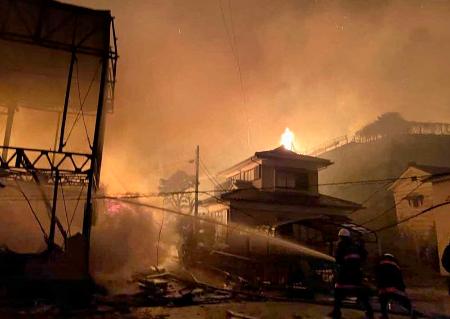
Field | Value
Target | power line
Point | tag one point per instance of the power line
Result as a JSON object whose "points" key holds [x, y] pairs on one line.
{"points": [[75, 209], [33, 212], [413, 216], [234, 226], [65, 208], [376, 192], [81, 104], [392, 207], [129, 200], [231, 36], [236, 51], [210, 176], [94, 77], [131, 195], [225, 24]]}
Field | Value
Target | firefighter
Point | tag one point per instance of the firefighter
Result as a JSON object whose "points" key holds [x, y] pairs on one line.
{"points": [[446, 263], [390, 285], [349, 276]]}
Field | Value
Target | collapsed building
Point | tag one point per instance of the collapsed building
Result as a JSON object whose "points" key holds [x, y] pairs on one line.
{"points": [[57, 75]]}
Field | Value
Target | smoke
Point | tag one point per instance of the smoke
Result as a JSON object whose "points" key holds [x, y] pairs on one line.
{"points": [[322, 68], [129, 239], [124, 241]]}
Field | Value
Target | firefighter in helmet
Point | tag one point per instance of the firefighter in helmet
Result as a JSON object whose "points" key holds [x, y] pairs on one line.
{"points": [[390, 285], [349, 275], [445, 260]]}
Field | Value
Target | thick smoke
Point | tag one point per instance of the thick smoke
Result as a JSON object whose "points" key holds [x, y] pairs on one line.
{"points": [[125, 238], [123, 242], [322, 68]]}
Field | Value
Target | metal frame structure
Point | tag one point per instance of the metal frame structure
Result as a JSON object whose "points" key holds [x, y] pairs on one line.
{"points": [[79, 31]]}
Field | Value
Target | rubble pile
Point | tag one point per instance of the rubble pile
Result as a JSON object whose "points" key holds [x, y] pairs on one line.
{"points": [[161, 287]]}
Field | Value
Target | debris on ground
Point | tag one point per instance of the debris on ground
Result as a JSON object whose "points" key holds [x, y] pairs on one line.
{"points": [[237, 315], [161, 287]]}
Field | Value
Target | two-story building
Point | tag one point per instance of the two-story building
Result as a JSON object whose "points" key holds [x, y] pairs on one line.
{"points": [[277, 191], [424, 236]]}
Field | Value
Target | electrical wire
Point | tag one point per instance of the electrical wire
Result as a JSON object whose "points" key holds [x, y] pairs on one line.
{"points": [[131, 195], [413, 216], [128, 200], [65, 209], [376, 192], [76, 206], [159, 238], [33, 212], [393, 206], [233, 227], [225, 24], [231, 36], [82, 105], [236, 50], [217, 184], [210, 176]]}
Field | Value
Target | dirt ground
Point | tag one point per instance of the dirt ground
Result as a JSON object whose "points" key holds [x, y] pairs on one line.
{"points": [[260, 310], [431, 300], [256, 310]]}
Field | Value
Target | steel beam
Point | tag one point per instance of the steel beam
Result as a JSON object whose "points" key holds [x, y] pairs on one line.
{"points": [[97, 148], [51, 233], [8, 129], [66, 102]]}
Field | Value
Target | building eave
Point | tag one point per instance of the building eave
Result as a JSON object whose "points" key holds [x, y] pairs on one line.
{"points": [[300, 199], [235, 167]]}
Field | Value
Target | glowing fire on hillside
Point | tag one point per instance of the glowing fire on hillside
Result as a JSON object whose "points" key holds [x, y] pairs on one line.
{"points": [[287, 139]]}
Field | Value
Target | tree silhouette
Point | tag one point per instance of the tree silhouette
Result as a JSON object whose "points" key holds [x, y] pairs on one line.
{"points": [[178, 191]]}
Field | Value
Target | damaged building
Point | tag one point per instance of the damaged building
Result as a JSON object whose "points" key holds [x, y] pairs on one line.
{"points": [[276, 192], [57, 75]]}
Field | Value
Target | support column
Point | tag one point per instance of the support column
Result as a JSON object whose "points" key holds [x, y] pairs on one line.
{"points": [[197, 163], [9, 124], [97, 148], [51, 236]]}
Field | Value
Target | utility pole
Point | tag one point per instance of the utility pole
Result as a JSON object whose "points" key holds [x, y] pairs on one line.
{"points": [[197, 166]]}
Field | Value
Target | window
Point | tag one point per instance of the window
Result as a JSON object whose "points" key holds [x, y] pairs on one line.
{"points": [[415, 201], [301, 181], [247, 175], [291, 180], [284, 180]]}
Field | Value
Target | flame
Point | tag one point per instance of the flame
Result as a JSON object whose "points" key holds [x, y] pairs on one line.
{"points": [[287, 139]]}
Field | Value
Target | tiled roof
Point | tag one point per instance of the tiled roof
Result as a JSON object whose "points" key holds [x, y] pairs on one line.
{"points": [[280, 153], [283, 153], [436, 172]]}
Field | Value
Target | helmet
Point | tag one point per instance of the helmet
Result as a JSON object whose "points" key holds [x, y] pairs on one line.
{"points": [[344, 233]]}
